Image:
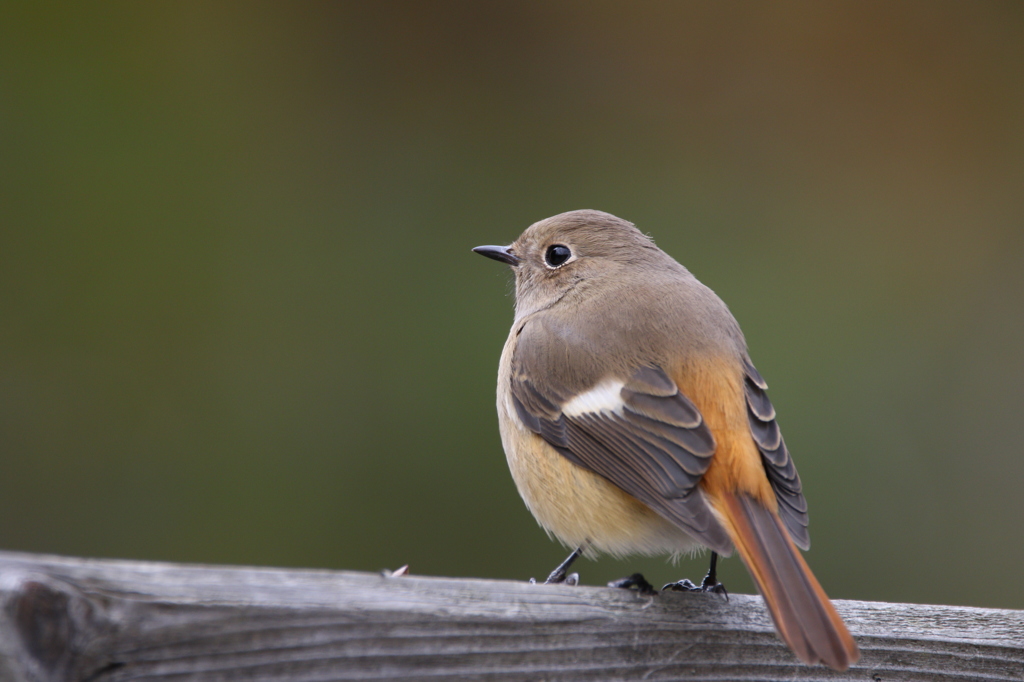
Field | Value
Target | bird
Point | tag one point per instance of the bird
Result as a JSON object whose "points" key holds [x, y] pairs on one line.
{"points": [[634, 421]]}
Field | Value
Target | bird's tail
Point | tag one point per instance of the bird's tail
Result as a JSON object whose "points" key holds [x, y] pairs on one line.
{"points": [[804, 617]]}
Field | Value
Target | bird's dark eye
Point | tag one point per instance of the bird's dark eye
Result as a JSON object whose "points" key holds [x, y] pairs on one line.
{"points": [[557, 254]]}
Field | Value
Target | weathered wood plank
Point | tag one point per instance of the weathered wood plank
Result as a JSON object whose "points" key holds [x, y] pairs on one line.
{"points": [[100, 620]]}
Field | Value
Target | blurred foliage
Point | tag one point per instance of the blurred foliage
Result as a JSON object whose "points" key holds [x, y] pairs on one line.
{"points": [[240, 322]]}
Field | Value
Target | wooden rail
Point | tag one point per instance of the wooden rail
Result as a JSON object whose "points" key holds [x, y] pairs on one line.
{"points": [[102, 620]]}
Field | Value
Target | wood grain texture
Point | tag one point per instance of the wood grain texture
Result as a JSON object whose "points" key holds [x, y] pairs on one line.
{"points": [[102, 620]]}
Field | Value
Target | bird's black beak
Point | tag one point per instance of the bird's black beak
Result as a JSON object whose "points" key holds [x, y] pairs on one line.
{"points": [[499, 253]]}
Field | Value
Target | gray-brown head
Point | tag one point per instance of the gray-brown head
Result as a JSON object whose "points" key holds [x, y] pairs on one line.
{"points": [[570, 251]]}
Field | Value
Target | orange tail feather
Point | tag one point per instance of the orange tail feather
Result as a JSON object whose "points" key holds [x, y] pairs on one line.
{"points": [[804, 617]]}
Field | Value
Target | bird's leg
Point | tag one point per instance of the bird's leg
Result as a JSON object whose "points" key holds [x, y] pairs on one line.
{"points": [[560, 575], [709, 584]]}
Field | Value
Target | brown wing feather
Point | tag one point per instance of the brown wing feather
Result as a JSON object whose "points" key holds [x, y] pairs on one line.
{"points": [[656, 448], [777, 463]]}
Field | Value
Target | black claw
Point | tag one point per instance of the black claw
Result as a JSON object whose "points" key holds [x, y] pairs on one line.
{"points": [[637, 582], [717, 588]]}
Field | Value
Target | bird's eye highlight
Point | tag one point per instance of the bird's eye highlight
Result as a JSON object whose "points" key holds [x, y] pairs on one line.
{"points": [[556, 255]]}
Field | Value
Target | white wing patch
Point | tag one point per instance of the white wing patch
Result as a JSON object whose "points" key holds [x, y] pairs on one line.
{"points": [[604, 397]]}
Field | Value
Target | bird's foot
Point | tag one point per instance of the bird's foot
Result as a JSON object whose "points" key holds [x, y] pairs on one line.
{"points": [[707, 586], [637, 582], [710, 583], [572, 579]]}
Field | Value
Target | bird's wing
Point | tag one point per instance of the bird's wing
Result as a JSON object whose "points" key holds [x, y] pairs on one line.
{"points": [[775, 457], [640, 433]]}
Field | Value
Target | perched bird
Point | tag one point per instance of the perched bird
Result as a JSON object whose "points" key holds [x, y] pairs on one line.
{"points": [[634, 421]]}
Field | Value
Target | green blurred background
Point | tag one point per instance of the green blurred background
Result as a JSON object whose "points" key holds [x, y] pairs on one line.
{"points": [[240, 321]]}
